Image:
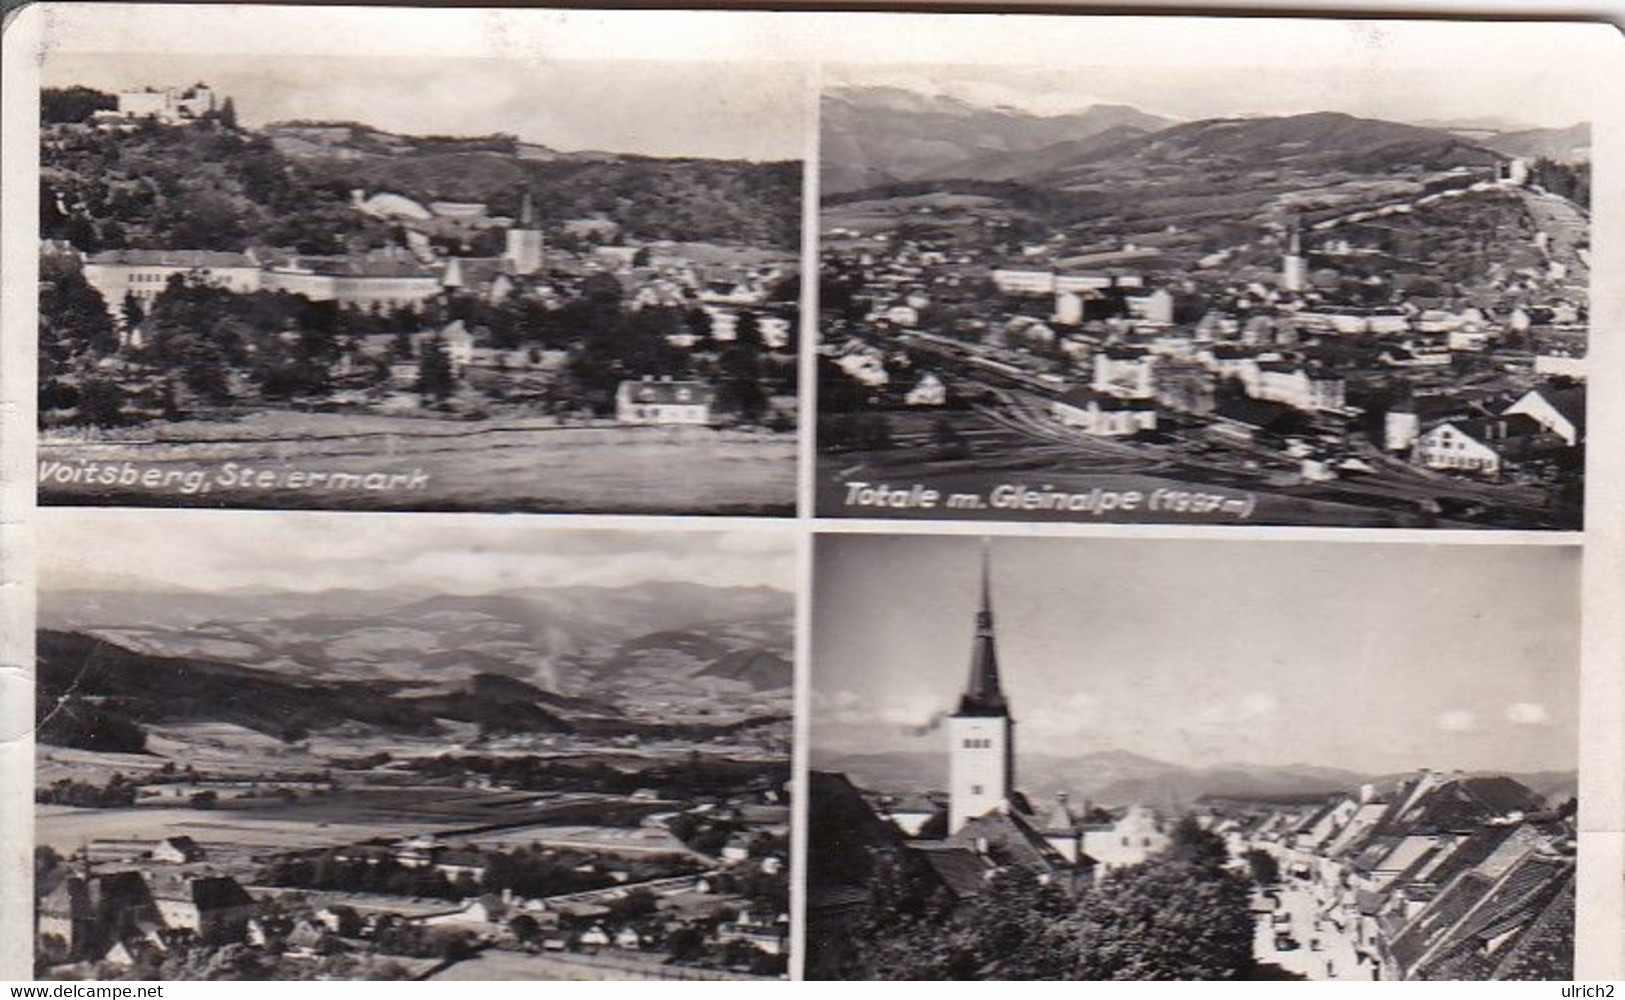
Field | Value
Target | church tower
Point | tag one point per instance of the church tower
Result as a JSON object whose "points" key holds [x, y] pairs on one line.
{"points": [[1294, 269], [525, 242], [981, 753]]}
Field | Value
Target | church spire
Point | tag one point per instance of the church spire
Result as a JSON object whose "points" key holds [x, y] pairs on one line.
{"points": [[983, 695]]}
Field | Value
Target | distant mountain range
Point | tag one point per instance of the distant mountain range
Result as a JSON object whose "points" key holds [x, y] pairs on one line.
{"points": [[1116, 777], [607, 643], [878, 136], [98, 695]]}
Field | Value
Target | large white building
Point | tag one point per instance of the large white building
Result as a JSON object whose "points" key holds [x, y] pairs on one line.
{"points": [[142, 274], [169, 105], [1124, 842], [663, 401]]}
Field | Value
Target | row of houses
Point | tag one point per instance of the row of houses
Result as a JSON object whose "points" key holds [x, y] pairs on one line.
{"points": [[1458, 433], [1436, 876], [92, 914]]}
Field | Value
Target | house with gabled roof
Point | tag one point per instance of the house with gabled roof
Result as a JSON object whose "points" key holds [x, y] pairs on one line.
{"points": [[664, 401]]}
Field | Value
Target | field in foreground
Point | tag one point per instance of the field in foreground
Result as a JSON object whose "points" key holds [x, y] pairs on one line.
{"points": [[289, 461]]}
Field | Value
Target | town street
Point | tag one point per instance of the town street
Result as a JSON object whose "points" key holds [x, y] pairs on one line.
{"points": [[1322, 951]]}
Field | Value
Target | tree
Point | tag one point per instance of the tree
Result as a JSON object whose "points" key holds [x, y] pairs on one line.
{"points": [[205, 220], [46, 861], [741, 366], [1189, 842], [435, 376], [1167, 919], [74, 319], [228, 114], [101, 403], [134, 312], [1263, 866], [524, 928], [65, 105], [685, 944], [635, 905], [203, 369]]}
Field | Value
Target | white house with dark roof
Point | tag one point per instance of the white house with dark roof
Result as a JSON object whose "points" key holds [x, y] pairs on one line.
{"points": [[664, 401], [1103, 415], [1560, 411], [1458, 445], [1479, 445]]}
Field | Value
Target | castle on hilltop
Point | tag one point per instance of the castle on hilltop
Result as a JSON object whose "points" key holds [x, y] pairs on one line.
{"points": [[167, 106]]}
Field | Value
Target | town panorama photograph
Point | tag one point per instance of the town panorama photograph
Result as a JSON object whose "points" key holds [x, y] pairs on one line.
{"points": [[534, 285], [294, 746], [1105, 759], [1337, 296]]}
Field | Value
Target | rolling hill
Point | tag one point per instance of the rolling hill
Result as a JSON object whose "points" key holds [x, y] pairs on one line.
{"points": [[99, 695], [1321, 142], [1566, 145], [288, 184]]}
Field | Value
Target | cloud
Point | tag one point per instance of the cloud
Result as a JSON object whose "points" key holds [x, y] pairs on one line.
{"points": [[1457, 720], [1251, 707], [1078, 713], [305, 552], [1528, 713], [915, 716], [1257, 705]]}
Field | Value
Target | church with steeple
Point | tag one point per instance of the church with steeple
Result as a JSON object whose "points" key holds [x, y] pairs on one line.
{"points": [[526, 243], [989, 817], [982, 752]]}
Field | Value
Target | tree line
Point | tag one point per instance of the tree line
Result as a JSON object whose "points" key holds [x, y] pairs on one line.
{"points": [[1181, 915]]}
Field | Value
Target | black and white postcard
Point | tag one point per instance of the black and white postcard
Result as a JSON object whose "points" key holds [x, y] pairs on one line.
{"points": [[551, 494], [358, 749], [541, 285], [1206, 294], [1110, 759]]}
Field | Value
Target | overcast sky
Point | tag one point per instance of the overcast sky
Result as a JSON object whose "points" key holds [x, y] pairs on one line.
{"points": [[1540, 74], [216, 550], [1372, 657], [725, 83], [753, 111]]}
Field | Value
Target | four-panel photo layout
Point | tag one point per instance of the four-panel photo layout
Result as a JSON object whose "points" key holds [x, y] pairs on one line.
{"points": [[1104, 503]]}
